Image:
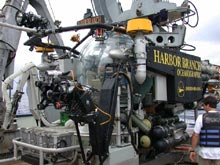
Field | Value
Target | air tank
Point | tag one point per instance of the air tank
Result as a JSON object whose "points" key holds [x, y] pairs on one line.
{"points": [[143, 125], [209, 68]]}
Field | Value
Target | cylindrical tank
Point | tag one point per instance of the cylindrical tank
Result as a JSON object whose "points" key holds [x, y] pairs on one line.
{"points": [[164, 144], [180, 125], [145, 141], [160, 132], [208, 68], [145, 128]]}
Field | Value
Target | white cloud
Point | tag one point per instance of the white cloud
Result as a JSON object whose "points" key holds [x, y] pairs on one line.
{"points": [[207, 50], [205, 37], [66, 11]]}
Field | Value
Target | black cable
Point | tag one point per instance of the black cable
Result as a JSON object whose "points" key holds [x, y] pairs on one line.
{"points": [[130, 112], [193, 48], [81, 27], [189, 15], [8, 45], [80, 143], [15, 103], [10, 6], [194, 12], [93, 8], [91, 32], [10, 58], [129, 117]]}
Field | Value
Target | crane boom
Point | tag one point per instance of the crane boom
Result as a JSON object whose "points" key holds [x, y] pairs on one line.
{"points": [[10, 37], [110, 9]]}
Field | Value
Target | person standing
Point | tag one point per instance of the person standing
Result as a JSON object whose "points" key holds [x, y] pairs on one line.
{"points": [[207, 134]]}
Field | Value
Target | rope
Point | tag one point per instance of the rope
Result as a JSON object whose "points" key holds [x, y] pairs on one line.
{"points": [[51, 9]]}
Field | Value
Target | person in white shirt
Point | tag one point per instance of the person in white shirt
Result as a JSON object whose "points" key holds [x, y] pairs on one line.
{"points": [[207, 134]]}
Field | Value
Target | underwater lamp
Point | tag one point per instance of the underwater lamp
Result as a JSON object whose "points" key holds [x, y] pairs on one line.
{"points": [[30, 20]]}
